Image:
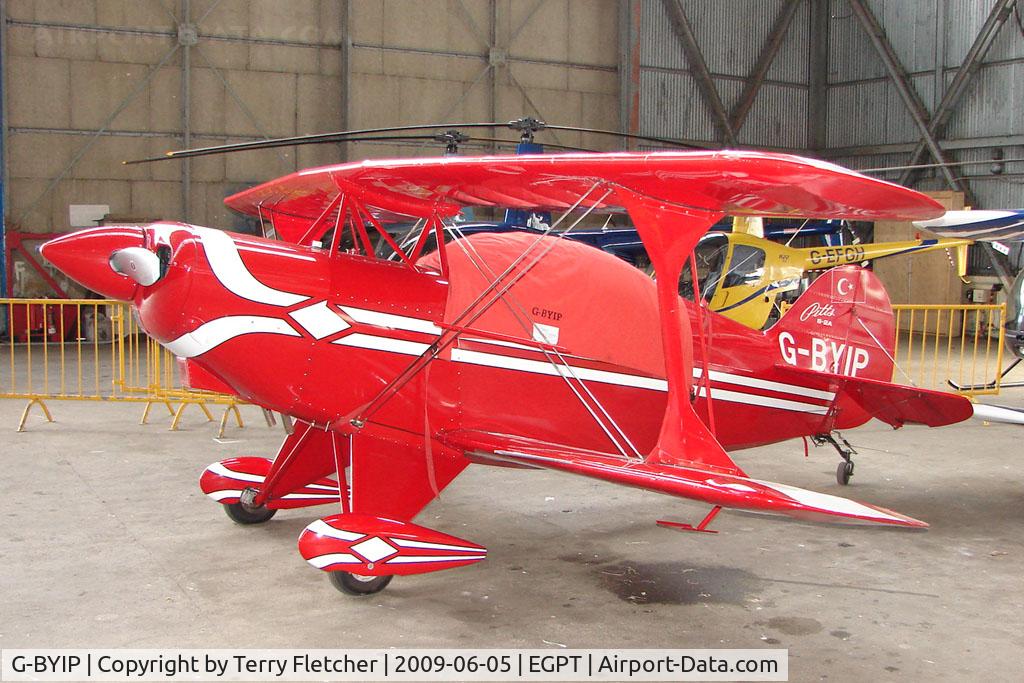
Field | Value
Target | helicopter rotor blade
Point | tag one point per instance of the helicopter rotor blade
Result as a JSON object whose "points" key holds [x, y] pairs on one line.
{"points": [[311, 139], [526, 126], [632, 136]]}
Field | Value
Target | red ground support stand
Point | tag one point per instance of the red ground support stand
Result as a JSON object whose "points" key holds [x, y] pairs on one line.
{"points": [[14, 241]]}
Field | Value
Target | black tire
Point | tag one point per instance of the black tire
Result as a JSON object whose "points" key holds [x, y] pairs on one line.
{"points": [[240, 513], [844, 472], [357, 584]]}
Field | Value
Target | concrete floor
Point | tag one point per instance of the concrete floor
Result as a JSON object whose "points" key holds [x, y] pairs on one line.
{"points": [[107, 542]]}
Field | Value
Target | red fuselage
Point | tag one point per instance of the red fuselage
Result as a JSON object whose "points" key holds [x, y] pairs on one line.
{"points": [[318, 336]]}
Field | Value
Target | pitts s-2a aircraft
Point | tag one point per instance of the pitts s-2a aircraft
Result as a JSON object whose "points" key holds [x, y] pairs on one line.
{"points": [[509, 349]]}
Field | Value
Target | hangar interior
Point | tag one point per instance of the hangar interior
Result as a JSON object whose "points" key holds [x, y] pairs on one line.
{"points": [[107, 538], [98, 82]]}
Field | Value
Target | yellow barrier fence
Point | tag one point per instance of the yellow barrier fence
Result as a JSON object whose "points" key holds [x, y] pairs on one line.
{"points": [[950, 347], [92, 350]]}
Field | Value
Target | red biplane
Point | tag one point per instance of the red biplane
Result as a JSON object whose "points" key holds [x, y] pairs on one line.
{"points": [[513, 349]]}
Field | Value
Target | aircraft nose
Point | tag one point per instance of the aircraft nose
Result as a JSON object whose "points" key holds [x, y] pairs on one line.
{"points": [[86, 257]]}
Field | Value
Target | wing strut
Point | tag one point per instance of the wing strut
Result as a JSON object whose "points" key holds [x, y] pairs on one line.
{"points": [[670, 232], [615, 434], [491, 295]]}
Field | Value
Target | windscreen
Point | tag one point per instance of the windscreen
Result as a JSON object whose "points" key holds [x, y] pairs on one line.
{"points": [[710, 255]]}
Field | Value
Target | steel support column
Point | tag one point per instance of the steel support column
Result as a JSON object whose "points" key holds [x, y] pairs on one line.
{"points": [[494, 57], [186, 39], [699, 69], [346, 71], [755, 79], [939, 56], [817, 94], [904, 87], [629, 67], [972, 62], [4, 291]]}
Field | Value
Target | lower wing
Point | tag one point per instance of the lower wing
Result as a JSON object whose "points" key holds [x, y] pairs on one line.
{"points": [[716, 488]]}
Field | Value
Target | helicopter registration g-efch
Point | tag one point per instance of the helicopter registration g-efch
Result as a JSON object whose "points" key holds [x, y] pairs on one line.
{"points": [[509, 349]]}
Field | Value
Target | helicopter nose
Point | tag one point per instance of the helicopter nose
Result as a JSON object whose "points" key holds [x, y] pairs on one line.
{"points": [[91, 258]]}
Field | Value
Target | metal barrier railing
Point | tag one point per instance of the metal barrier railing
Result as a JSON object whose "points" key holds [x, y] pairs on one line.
{"points": [[950, 347], [146, 369], [92, 350]]}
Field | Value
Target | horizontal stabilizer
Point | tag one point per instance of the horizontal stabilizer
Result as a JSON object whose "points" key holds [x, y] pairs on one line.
{"points": [[895, 404], [727, 490]]}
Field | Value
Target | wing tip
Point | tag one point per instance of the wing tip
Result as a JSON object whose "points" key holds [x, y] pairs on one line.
{"points": [[825, 507]]}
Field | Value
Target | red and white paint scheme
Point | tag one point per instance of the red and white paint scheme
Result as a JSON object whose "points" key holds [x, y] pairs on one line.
{"points": [[225, 481], [512, 350], [381, 547]]}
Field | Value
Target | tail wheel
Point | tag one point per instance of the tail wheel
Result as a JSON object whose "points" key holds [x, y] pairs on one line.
{"points": [[358, 584], [844, 472], [240, 513]]}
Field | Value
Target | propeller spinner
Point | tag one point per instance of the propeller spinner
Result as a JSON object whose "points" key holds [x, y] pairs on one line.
{"points": [[88, 257]]}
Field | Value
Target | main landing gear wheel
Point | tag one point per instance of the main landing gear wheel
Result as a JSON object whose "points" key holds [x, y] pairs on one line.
{"points": [[244, 513], [844, 472], [358, 584], [846, 452]]}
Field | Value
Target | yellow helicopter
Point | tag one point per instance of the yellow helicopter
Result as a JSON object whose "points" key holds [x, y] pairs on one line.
{"points": [[752, 280]]}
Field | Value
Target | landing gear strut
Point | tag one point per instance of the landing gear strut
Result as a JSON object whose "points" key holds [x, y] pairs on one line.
{"points": [[846, 452]]}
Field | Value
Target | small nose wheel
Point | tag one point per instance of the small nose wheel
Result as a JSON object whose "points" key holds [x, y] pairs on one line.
{"points": [[844, 472], [358, 584]]}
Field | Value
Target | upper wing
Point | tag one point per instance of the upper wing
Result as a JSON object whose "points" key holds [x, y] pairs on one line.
{"points": [[731, 182], [978, 225], [717, 488]]}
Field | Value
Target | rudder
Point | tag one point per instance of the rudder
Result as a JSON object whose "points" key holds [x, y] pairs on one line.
{"points": [[843, 324]]}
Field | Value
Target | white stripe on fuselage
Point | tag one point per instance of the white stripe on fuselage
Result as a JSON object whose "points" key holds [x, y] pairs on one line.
{"points": [[397, 322], [227, 266], [541, 367], [764, 401], [769, 385], [215, 332], [544, 367], [375, 343]]}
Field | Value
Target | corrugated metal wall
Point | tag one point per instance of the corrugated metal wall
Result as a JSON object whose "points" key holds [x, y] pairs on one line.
{"points": [[868, 124], [670, 102], [865, 109]]}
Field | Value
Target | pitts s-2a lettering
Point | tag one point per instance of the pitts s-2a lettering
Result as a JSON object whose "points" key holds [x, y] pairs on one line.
{"points": [[402, 372]]}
